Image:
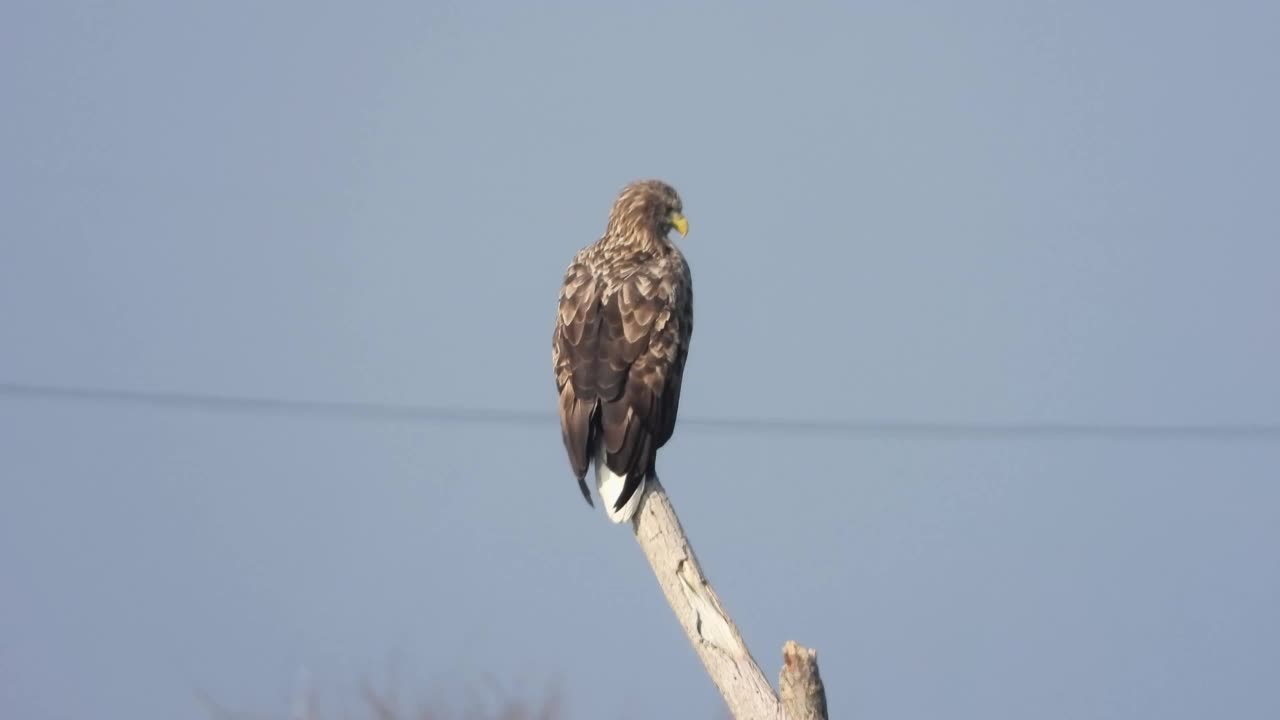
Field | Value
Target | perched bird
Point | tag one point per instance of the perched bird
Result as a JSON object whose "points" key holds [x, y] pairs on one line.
{"points": [[621, 338]]}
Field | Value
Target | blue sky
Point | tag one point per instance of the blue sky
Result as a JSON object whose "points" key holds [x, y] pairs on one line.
{"points": [[995, 213]]}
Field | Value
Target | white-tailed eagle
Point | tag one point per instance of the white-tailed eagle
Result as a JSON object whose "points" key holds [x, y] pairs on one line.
{"points": [[621, 338]]}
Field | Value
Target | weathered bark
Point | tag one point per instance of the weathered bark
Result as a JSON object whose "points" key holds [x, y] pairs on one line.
{"points": [[803, 696], [711, 631]]}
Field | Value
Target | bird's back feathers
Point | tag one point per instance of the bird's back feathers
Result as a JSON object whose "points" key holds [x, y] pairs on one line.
{"points": [[622, 334]]}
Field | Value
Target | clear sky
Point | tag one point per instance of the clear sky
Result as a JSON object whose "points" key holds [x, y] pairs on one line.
{"points": [[995, 213]]}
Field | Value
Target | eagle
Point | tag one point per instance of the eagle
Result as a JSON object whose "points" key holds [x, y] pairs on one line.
{"points": [[621, 338]]}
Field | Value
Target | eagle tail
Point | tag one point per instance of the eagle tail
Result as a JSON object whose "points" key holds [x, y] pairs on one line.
{"points": [[620, 494]]}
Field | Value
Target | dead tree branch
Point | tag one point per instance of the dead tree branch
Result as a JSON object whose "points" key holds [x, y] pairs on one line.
{"points": [[711, 631]]}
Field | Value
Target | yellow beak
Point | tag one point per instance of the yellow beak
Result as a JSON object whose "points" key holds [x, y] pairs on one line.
{"points": [[679, 222]]}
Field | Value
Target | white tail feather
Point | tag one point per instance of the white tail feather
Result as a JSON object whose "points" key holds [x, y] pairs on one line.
{"points": [[610, 486]]}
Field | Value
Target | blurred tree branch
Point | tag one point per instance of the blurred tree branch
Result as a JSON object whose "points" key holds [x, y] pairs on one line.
{"points": [[711, 631]]}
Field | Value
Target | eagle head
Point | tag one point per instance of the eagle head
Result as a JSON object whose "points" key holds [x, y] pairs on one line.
{"points": [[648, 207]]}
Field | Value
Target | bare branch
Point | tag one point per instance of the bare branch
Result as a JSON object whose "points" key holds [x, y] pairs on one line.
{"points": [[709, 628], [803, 696], [381, 706]]}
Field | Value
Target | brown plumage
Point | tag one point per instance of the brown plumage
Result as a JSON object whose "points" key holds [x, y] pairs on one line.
{"points": [[621, 338]]}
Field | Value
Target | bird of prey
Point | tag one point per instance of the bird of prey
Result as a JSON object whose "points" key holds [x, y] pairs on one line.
{"points": [[619, 347]]}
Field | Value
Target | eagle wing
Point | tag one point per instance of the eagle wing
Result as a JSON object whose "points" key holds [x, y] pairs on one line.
{"points": [[621, 339]]}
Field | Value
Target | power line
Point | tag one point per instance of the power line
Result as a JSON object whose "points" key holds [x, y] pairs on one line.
{"points": [[368, 410]]}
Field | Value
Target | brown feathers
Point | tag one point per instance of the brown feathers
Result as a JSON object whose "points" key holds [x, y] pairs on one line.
{"points": [[622, 335]]}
